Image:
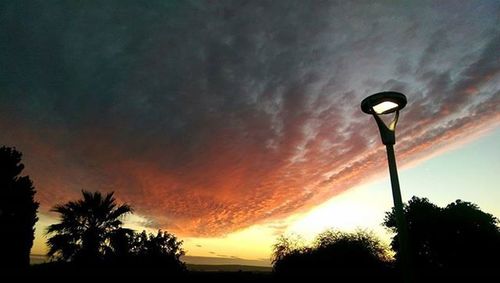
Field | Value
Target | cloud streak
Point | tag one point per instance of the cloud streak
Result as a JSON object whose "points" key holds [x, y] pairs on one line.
{"points": [[210, 117]]}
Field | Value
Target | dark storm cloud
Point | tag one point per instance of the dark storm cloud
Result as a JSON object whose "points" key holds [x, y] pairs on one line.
{"points": [[210, 116]]}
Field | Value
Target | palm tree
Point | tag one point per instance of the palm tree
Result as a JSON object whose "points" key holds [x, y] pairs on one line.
{"points": [[86, 227]]}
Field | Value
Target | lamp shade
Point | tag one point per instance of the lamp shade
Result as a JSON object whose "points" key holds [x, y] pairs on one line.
{"points": [[383, 102]]}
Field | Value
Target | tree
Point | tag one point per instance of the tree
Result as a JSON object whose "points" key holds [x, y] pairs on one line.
{"points": [[155, 255], [161, 245], [285, 246], [334, 254], [86, 228], [361, 242], [459, 240], [18, 210], [162, 250]]}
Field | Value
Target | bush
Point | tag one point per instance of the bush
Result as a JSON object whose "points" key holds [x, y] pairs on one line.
{"points": [[334, 254]]}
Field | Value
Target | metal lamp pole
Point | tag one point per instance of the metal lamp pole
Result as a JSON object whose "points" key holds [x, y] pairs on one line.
{"points": [[379, 104]]}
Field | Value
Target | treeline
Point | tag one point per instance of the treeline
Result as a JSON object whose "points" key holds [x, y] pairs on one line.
{"points": [[90, 233], [455, 243]]}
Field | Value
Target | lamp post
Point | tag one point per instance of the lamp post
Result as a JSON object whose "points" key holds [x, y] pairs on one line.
{"points": [[378, 104]]}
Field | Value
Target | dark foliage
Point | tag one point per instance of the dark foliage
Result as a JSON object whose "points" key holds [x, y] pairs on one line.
{"points": [[336, 255], [160, 252], [17, 211], [85, 228], [458, 241], [90, 241], [129, 255]]}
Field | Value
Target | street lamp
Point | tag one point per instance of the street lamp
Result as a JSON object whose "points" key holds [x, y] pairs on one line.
{"points": [[378, 104]]}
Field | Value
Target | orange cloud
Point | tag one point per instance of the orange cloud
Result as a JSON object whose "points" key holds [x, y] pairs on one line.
{"points": [[207, 124]]}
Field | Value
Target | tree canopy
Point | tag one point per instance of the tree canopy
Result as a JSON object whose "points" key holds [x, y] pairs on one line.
{"points": [[86, 227], [18, 210], [333, 254], [457, 240], [148, 251]]}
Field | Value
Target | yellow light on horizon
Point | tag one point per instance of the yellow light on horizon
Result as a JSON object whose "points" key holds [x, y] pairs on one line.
{"points": [[384, 106]]}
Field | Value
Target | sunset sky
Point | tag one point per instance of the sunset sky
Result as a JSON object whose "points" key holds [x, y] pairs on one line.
{"points": [[229, 123]]}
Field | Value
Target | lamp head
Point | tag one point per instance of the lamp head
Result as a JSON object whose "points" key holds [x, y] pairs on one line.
{"points": [[383, 102]]}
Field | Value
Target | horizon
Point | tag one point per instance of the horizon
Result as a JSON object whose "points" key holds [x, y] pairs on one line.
{"points": [[194, 260], [231, 123]]}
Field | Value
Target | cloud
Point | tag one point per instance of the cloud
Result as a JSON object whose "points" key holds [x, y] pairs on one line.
{"points": [[211, 117]]}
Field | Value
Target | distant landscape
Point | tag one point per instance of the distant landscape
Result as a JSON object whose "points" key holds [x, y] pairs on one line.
{"points": [[201, 263]]}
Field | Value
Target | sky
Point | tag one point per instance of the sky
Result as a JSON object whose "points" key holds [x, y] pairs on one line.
{"points": [[231, 122]]}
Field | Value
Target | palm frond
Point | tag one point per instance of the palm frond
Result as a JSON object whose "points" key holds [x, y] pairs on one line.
{"points": [[89, 222]]}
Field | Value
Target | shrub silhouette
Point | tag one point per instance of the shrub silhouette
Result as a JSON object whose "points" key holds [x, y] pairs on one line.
{"points": [[17, 211], [459, 240], [86, 226], [286, 246], [334, 254], [160, 246], [160, 252]]}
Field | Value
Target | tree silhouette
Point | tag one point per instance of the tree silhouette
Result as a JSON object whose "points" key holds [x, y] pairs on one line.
{"points": [[86, 228], [17, 211], [121, 242], [148, 251], [286, 246], [163, 244], [459, 240], [334, 254]]}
